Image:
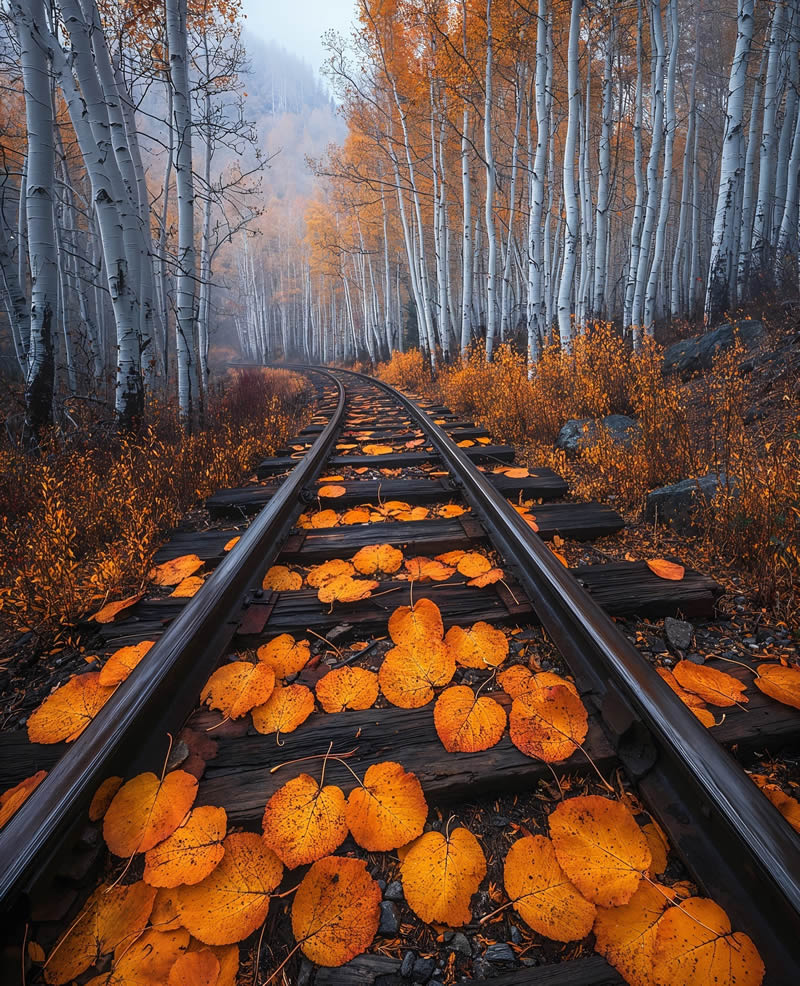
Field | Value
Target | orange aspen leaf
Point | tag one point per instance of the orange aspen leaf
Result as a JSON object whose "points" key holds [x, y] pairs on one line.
{"points": [[122, 662], [303, 822], [236, 688], [466, 723], [287, 708], [440, 874], [67, 711], [192, 851], [175, 570], [347, 688], [285, 655], [146, 810], [389, 810], [12, 799], [780, 683]]}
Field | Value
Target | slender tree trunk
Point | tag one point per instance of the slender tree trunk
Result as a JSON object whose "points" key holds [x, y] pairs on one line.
{"points": [[604, 177], [488, 150], [572, 218]]}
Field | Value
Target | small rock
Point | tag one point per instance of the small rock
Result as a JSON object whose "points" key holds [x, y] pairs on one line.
{"points": [[423, 969], [305, 973], [579, 433], [500, 821], [407, 965], [481, 969], [460, 944], [394, 891], [677, 505], [696, 658], [516, 937], [500, 952], [678, 633], [691, 356], [381, 884], [390, 920], [179, 752]]}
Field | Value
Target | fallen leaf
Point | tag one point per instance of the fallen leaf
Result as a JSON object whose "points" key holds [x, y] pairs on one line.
{"points": [[164, 916], [145, 960], [226, 955], [233, 900], [280, 578], [626, 936], [788, 806], [473, 564], [285, 655], [336, 911], [377, 449], [487, 578], [666, 569], [195, 969], [347, 688], [376, 558], [232, 543], [428, 569], [659, 847], [236, 688], [324, 518], [419, 625], [13, 798], [600, 848], [103, 797], [440, 874], [409, 674], [146, 810], [331, 492], [320, 575], [356, 516], [780, 683], [113, 914], [466, 723], [517, 473], [192, 851], [187, 588], [388, 810], [111, 611], [548, 723], [542, 894], [303, 822], [67, 711], [450, 510], [482, 646], [714, 687], [695, 944], [175, 570], [287, 708], [122, 662]]}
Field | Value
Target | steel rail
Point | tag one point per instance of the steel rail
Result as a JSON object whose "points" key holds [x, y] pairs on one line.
{"points": [[162, 690], [732, 838]]}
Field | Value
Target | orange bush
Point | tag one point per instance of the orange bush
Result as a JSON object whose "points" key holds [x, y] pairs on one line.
{"points": [[82, 520]]}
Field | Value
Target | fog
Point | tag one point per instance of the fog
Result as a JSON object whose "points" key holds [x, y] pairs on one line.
{"points": [[298, 26]]}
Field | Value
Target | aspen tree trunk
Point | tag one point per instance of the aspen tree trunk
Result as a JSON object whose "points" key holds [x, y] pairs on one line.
{"points": [[204, 305], [505, 304], [537, 305], [653, 197], [678, 259], [488, 149], [184, 179], [786, 128], [572, 219], [604, 177], [748, 185], [786, 251], [16, 301], [666, 179], [722, 256], [466, 240], [39, 197], [762, 224], [638, 209]]}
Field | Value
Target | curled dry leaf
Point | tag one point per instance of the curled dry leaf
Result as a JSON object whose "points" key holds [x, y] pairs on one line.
{"points": [[688, 698], [236, 688], [285, 655], [347, 688], [226, 955], [409, 674], [175, 570], [320, 575], [472, 564], [187, 587], [303, 822], [191, 852], [451, 558], [695, 944], [346, 590], [233, 900], [287, 708], [482, 646], [428, 570], [548, 723], [517, 473], [122, 662], [14, 797], [542, 893], [466, 723], [112, 915], [146, 810], [488, 578], [417, 626], [336, 911], [600, 848], [658, 845], [375, 558], [789, 807], [280, 578], [666, 569], [111, 611], [356, 516], [195, 969], [626, 936], [324, 518], [440, 874], [145, 960], [103, 797], [331, 492], [714, 687], [780, 683], [388, 810], [230, 545], [518, 680], [67, 711]]}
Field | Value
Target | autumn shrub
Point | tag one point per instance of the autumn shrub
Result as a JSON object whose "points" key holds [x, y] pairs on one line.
{"points": [[407, 370], [82, 520]]}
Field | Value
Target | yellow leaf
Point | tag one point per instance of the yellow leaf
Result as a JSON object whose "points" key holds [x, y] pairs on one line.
{"points": [[440, 875]]}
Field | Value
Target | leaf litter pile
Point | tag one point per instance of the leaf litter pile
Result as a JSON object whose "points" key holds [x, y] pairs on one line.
{"points": [[574, 862]]}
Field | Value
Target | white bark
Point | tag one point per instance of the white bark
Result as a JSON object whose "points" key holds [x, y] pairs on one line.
{"points": [[572, 219], [604, 177], [488, 150]]}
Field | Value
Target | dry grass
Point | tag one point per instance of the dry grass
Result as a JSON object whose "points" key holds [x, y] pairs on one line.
{"points": [[82, 520], [686, 430]]}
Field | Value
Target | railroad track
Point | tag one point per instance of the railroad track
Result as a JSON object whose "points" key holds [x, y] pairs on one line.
{"points": [[731, 841]]}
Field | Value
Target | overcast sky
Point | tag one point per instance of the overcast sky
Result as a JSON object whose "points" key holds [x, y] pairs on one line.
{"points": [[299, 24]]}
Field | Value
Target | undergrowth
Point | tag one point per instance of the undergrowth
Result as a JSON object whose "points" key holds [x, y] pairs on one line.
{"points": [[685, 430], [81, 521]]}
